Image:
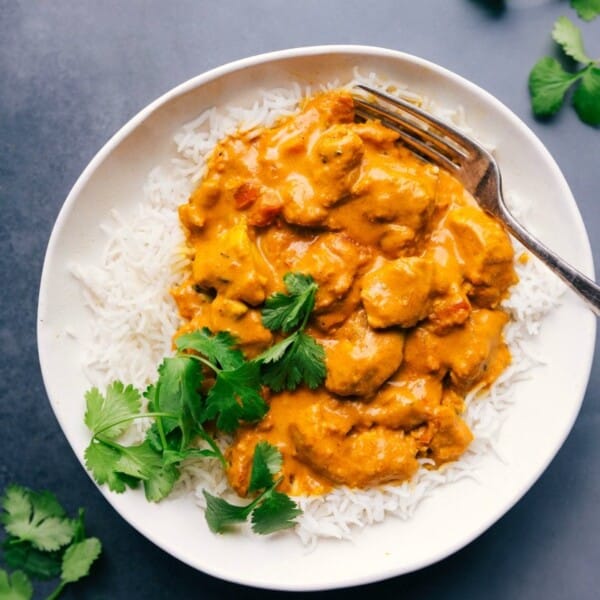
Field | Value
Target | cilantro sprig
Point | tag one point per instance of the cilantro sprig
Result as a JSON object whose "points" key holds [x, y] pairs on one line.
{"points": [[270, 511], [208, 385], [586, 9], [42, 542], [297, 358], [549, 82]]}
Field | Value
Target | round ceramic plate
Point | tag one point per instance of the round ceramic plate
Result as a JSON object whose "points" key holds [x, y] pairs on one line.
{"points": [[455, 514]]}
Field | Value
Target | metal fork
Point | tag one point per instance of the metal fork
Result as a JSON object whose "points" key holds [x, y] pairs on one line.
{"points": [[474, 167]]}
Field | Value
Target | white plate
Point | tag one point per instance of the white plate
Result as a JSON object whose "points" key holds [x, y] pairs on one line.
{"points": [[537, 425]]}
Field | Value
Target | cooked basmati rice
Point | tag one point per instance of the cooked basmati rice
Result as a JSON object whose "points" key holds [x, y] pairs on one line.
{"points": [[133, 315]]}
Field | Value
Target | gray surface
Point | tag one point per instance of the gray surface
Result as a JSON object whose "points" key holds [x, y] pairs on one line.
{"points": [[71, 73]]}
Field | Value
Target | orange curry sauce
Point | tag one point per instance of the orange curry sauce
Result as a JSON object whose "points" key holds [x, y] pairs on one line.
{"points": [[410, 272]]}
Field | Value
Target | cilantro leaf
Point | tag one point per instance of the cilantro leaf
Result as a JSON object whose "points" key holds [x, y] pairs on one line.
{"points": [[122, 466], [586, 98], [221, 515], [15, 587], [177, 392], [161, 481], [266, 463], [302, 361], [36, 517], [172, 457], [219, 349], [101, 460], [120, 403], [274, 513], [35, 563], [548, 84], [271, 510], [78, 559], [235, 397], [586, 9], [285, 312], [568, 36]]}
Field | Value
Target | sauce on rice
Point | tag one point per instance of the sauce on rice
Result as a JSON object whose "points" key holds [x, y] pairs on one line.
{"points": [[411, 273]]}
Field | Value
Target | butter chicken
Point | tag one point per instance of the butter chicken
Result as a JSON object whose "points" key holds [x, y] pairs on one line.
{"points": [[411, 273]]}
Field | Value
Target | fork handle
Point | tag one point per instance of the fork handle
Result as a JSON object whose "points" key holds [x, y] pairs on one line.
{"points": [[577, 281]]}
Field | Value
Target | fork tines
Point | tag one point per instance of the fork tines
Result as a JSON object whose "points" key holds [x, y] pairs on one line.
{"points": [[421, 133]]}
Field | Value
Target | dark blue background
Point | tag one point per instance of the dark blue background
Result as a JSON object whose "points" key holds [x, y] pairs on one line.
{"points": [[71, 73]]}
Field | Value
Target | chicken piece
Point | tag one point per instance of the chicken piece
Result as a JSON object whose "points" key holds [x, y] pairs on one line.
{"points": [[473, 353], [289, 408], [330, 171], [395, 192], [336, 158], [261, 203], [188, 299], [231, 264], [398, 292], [402, 404], [451, 436], [354, 458], [486, 252], [301, 205], [332, 260], [244, 323], [333, 107], [449, 311], [360, 359]]}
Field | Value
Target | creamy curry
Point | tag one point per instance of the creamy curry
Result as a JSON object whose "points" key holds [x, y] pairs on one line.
{"points": [[411, 273]]}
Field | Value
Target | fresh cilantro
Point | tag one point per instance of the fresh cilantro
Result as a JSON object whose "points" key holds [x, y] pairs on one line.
{"points": [[277, 511], [219, 349], [586, 9], [121, 466], [185, 403], [76, 563], [271, 511], [286, 312], [101, 460], [37, 518], [568, 36], [36, 563], [298, 358], [265, 465], [235, 397], [42, 543], [303, 360], [549, 82], [586, 98], [110, 414], [15, 587], [176, 392]]}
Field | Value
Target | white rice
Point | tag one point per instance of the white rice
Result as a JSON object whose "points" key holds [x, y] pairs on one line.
{"points": [[134, 316]]}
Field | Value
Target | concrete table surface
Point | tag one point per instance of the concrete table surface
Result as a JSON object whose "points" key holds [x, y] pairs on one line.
{"points": [[71, 73]]}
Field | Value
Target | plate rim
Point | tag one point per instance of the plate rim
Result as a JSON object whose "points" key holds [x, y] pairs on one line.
{"points": [[298, 52]]}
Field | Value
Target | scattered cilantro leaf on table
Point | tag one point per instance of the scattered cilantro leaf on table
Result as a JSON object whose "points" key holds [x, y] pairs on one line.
{"points": [[76, 563], [269, 512], [567, 35], [586, 98], [586, 9], [43, 542], [15, 587], [37, 518], [298, 358], [549, 82]]}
